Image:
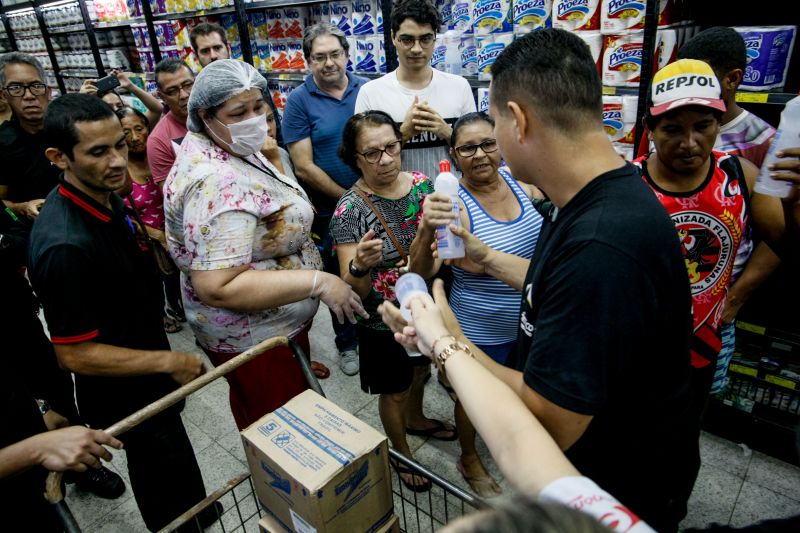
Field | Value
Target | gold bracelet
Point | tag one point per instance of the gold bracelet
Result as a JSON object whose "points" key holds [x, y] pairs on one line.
{"points": [[433, 346], [450, 349]]}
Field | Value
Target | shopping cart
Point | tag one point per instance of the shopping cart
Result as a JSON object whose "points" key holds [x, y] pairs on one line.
{"points": [[417, 512]]}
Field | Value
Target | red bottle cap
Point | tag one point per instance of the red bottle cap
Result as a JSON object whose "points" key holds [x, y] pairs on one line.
{"points": [[444, 165]]}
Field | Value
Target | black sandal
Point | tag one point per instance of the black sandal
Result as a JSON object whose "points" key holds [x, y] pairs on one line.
{"points": [[403, 470]]}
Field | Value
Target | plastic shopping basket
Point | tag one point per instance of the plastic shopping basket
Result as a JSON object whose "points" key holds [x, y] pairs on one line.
{"points": [[417, 511]]}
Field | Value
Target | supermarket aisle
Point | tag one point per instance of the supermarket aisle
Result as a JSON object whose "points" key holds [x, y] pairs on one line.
{"points": [[735, 486]]}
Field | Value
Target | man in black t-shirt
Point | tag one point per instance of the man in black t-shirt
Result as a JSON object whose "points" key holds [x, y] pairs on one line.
{"points": [[27, 175], [102, 301], [605, 322]]}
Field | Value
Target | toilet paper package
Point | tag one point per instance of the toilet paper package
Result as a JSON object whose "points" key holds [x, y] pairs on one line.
{"points": [[294, 51], [624, 150], [276, 29], [594, 39], [378, 18], [462, 16], [293, 22], [483, 99], [621, 16], [666, 47], [340, 16], [318, 13], [469, 56], [489, 47], [622, 60], [529, 15], [491, 16], [666, 13], [576, 15], [381, 53], [279, 56], [769, 49], [363, 19], [619, 117], [351, 43], [366, 55]]}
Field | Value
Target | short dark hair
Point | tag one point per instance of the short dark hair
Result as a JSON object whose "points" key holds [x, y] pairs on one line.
{"points": [[206, 28], [352, 129], [318, 30], [67, 110], [128, 110], [466, 120], [554, 71], [19, 58], [721, 47], [171, 65], [420, 11]]}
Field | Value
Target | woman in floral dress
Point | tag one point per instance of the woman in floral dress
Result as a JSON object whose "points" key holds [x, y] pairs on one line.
{"points": [[371, 262], [238, 229]]}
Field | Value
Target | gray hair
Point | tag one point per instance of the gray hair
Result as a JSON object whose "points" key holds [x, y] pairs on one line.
{"points": [[19, 58], [170, 65], [318, 30], [217, 83]]}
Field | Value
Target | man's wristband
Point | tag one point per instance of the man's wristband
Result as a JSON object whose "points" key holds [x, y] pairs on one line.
{"points": [[355, 271]]}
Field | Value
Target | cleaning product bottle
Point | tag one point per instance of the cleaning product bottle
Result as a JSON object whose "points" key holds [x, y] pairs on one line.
{"points": [[450, 246], [452, 54], [787, 136]]}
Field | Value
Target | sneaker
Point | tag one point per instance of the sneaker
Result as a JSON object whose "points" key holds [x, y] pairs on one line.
{"points": [[349, 362], [101, 482]]}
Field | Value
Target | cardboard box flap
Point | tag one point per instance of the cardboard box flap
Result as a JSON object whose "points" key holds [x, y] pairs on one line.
{"points": [[313, 439]]}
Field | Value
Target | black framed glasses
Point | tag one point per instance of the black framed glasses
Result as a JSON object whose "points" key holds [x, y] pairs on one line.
{"points": [[468, 150], [17, 90], [425, 41], [174, 91], [373, 156], [323, 58]]}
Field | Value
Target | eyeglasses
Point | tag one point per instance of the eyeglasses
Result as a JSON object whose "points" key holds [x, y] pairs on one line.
{"points": [[373, 156], [323, 58], [18, 89], [174, 91], [426, 41], [468, 150]]}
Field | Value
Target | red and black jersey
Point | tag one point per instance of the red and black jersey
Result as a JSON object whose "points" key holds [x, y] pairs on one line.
{"points": [[711, 221]]}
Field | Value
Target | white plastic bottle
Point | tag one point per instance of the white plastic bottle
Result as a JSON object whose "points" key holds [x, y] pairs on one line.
{"points": [[787, 136], [452, 54], [450, 246]]}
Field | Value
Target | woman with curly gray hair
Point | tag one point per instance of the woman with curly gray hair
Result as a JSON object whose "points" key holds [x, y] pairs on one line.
{"points": [[238, 229]]}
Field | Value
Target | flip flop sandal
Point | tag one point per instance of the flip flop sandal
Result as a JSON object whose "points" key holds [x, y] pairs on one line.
{"points": [[403, 470], [320, 370], [431, 432], [484, 486]]}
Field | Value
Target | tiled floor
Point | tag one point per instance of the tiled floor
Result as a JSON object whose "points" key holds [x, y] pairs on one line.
{"points": [[735, 486]]}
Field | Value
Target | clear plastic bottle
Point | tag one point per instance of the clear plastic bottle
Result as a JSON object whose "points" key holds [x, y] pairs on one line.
{"points": [[450, 246], [787, 136], [452, 54]]}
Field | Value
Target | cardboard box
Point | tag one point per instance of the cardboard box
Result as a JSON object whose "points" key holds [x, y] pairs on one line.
{"points": [[268, 525], [317, 468]]}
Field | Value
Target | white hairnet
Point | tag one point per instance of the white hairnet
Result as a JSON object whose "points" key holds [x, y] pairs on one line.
{"points": [[217, 83]]}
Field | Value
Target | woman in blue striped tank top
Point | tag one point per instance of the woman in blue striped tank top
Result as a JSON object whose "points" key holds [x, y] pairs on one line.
{"points": [[498, 210]]}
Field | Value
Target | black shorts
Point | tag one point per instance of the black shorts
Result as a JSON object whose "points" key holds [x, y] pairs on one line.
{"points": [[385, 367]]}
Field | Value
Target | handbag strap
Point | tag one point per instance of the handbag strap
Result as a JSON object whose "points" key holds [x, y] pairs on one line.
{"points": [[150, 240], [364, 196]]}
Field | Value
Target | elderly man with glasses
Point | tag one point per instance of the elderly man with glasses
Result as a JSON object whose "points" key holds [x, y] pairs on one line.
{"points": [[425, 101], [313, 120]]}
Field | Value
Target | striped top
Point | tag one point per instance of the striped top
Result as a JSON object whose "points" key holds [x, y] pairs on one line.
{"points": [[478, 297]]}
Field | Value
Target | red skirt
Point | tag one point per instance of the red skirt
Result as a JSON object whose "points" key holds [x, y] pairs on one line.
{"points": [[265, 383]]}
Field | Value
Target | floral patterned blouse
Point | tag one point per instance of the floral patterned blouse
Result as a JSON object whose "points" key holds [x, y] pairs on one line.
{"points": [[221, 212], [353, 218]]}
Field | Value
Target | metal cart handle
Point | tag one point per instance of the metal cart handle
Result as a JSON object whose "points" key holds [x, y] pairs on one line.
{"points": [[53, 492]]}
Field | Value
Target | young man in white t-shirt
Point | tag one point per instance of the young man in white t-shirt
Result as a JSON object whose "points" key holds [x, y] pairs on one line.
{"points": [[425, 101]]}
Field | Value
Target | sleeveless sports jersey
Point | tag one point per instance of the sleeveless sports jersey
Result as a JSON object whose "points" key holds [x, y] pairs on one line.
{"points": [[475, 297], [711, 221]]}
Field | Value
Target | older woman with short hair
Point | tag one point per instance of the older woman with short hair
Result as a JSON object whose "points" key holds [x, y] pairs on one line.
{"points": [[239, 231]]}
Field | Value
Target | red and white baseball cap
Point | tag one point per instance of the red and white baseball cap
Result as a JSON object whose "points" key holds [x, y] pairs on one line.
{"points": [[685, 82]]}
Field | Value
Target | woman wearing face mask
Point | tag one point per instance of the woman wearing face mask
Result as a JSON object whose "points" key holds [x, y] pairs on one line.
{"points": [[239, 231], [145, 196]]}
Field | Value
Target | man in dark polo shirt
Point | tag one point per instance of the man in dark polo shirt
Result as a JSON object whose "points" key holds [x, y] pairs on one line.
{"points": [[102, 301], [27, 175]]}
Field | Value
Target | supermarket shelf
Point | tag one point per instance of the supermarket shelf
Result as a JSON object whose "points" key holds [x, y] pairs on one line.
{"points": [[764, 98], [267, 4], [63, 30], [16, 7], [53, 3], [118, 23], [26, 33], [199, 13]]}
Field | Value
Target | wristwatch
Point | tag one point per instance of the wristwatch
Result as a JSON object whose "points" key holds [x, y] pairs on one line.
{"points": [[44, 406], [450, 349], [355, 272]]}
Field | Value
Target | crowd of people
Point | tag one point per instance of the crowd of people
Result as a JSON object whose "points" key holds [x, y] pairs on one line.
{"points": [[589, 382]]}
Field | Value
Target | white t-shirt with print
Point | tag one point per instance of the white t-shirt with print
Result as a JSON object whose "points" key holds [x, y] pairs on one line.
{"points": [[448, 94]]}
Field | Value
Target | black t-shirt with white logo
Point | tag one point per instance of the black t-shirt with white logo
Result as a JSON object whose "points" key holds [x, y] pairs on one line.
{"points": [[605, 329]]}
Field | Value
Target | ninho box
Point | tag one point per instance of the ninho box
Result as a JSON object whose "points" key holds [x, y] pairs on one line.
{"points": [[316, 467]]}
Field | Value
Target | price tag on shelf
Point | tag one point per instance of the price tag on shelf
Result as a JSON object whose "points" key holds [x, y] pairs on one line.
{"points": [[751, 327], [609, 91], [783, 382], [741, 369], [758, 98]]}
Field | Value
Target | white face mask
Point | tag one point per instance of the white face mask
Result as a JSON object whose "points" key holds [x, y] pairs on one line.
{"points": [[247, 136]]}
